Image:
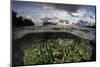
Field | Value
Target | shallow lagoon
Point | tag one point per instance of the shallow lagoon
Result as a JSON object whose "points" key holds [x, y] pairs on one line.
{"points": [[30, 42]]}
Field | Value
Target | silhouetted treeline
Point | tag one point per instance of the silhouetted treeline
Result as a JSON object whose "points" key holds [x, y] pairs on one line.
{"points": [[20, 21]]}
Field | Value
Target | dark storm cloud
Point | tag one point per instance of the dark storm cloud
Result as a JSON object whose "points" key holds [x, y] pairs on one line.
{"points": [[65, 7], [68, 7], [71, 7]]}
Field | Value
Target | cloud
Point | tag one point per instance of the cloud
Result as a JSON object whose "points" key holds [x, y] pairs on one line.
{"points": [[61, 11], [74, 16], [68, 8]]}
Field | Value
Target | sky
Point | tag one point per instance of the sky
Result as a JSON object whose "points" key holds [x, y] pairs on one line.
{"points": [[70, 12]]}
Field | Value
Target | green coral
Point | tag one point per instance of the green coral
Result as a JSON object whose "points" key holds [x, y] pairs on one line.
{"points": [[56, 51]]}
